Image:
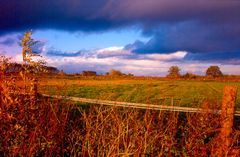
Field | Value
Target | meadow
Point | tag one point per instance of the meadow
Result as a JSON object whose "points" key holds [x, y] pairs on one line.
{"points": [[187, 93]]}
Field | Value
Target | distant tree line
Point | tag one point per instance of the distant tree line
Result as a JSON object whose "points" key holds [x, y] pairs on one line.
{"points": [[16, 68], [212, 71], [173, 72], [112, 72]]}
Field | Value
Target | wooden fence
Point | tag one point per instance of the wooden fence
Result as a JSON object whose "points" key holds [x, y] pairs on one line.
{"points": [[227, 115]]}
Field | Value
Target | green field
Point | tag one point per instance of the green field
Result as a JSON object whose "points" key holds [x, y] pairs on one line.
{"points": [[180, 93]]}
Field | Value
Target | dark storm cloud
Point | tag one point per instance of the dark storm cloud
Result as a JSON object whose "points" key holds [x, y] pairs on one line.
{"points": [[200, 26], [184, 25], [192, 37], [104, 14], [229, 58], [61, 14]]}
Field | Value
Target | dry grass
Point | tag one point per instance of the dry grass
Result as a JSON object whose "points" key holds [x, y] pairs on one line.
{"points": [[57, 128]]}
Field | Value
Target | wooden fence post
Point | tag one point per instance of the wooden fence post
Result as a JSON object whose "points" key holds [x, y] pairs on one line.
{"points": [[33, 92], [227, 117]]}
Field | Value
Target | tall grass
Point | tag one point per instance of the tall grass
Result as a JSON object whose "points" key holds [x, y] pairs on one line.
{"points": [[54, 127]]}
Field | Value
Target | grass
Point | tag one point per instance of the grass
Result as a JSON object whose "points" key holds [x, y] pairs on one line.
{"points": [[185, 93]]}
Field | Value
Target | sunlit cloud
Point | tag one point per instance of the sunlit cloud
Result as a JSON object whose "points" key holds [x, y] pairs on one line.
{"points": [[179, 55]]}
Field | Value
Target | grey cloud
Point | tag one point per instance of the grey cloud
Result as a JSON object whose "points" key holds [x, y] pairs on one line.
{"points": [[8, 42]]}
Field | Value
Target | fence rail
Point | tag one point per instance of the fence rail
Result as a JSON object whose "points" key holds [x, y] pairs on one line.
{"points": [[136, 105]]}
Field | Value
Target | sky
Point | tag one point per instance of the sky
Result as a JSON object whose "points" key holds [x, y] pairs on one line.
{"points": [[143, 37]]}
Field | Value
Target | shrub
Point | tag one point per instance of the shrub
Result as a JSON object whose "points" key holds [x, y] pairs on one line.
{"points": [[114, 72]]}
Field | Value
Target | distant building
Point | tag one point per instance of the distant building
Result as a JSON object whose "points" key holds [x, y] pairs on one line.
{"points": [[52, 70], [89, 73]]}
